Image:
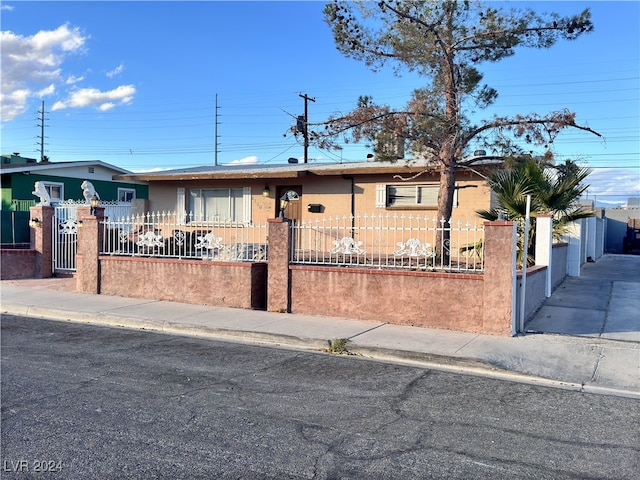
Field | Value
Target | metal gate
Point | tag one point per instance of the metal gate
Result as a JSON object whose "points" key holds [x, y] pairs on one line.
{"points": [[64, 232], [64, 236]]}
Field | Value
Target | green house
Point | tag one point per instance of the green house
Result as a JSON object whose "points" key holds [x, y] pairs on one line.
{"points": [[62, 181]]}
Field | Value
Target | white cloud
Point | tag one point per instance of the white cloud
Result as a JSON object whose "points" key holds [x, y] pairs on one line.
{"points": [[152, 170], [8, 8], [31, 61], [251, 160], [116, 71], [92, 97], [613, 186], [14, 103], [614, 181], [32, 66], [71, 79], [49, 90]]}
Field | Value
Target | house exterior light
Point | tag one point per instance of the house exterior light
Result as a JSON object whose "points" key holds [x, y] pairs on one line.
{"points": [[286, 198], [266, 192], [94, 204]]}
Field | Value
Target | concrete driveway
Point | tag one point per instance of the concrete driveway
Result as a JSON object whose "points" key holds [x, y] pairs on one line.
{"points": [[603, 302]]}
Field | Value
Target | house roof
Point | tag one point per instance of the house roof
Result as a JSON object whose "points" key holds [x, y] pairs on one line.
{"points": [[265, 171], [43, 166]]}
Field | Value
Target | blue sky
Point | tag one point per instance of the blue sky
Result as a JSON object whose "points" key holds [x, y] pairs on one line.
{"points": [[135, 83]]}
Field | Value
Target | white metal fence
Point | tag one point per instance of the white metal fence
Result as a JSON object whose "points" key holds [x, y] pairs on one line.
{"points": [[112, 208], [172, 235], [64, 238], [389, 241], [65, 230]]}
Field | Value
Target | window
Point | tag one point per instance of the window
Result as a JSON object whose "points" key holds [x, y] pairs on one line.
{"points": [[126, 194], [406, 196], [220, 204], [55, 191]]}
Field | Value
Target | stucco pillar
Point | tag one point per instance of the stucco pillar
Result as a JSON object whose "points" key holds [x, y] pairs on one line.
{"points": [[499, 298], [544, 247], [41, 231], [90, 235], [278, 278]]}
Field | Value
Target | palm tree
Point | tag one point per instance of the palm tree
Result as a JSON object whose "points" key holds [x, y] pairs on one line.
{"points": [[554, 191]]}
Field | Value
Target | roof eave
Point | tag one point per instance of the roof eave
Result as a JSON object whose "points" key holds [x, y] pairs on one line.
{"points": [[213, 176], [53, 165], [284, 173]]}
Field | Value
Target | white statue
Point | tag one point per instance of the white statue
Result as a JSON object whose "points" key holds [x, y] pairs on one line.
{"points": [[88, 191], [40, 191]]}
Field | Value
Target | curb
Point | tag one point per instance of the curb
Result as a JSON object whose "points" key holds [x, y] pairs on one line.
{"points": [[462, 365], [174, 328], [467, 366]]}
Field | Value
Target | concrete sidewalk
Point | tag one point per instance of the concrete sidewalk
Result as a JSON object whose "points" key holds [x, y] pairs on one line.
{"points": [[604, 359]]}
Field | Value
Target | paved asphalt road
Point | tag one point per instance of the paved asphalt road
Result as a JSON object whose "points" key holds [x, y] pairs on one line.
{"points": [[86, 402]]}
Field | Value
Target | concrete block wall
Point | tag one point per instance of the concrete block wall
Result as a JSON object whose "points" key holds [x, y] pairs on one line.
{"points": [[17, 264], [482, 303], [421, 299], [536, 285], [559, 262], [225, 284]]}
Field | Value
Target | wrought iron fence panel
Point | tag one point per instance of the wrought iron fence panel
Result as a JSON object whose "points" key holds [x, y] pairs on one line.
{"points": [[112, 208], [389, 241], [65, 229], [171, 235], [64, 237]]}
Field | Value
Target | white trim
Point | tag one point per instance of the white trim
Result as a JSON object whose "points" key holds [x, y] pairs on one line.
{"points": [[47, 184], [194, 203], [181, 207], [381, 195], [246, 200], [36, 167], [424, 195], [126, 190]]}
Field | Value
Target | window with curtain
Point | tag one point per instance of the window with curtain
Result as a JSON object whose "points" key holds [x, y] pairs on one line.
{"points": [[414, 196], [218, 205]]}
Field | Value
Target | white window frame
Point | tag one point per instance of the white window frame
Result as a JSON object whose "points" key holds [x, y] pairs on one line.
{"points": [[241, 216], [422, 196], [125, 191], [49, 185]]}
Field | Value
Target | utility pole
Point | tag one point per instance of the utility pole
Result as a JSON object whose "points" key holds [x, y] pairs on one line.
{"points": [[41, 119], [305, 129], [215, 134]]}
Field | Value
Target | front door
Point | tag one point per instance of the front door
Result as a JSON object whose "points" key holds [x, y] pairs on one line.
{"points": [[292, 209]]}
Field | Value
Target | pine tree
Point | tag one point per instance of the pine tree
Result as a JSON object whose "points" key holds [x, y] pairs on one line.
{"points": [[445, 42]]}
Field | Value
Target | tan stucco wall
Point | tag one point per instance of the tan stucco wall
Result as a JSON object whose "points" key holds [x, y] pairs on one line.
{"points": [[163, 196], [332, 192], [17, 264], [482, 302], [225, 284], [430, 300]]}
